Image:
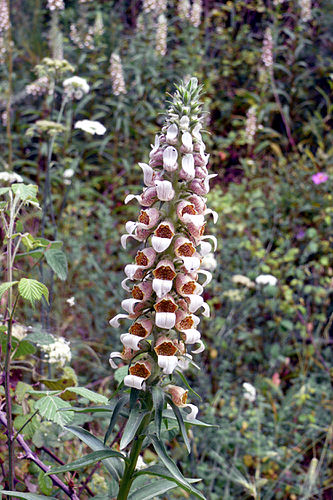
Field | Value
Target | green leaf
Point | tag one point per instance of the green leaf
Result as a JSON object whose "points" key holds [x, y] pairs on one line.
{"points": [[114, 465], [181, 424], [27, 496], [181, 375], [158, 399], [157, 470], [120, 373], [88, 394], [170, 415], [32, 290], [151, 490], [117, 409], [133, 423], [6, 286], [45, 483], [48, 407], [23, 349], [168, 462], [40, 337], [26, 192], [92, 458], [57, 261], [4, 190]]}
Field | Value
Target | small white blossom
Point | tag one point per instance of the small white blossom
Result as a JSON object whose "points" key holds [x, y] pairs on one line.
{"points": [[117, 75], [75, 87], [242, 280], [91, 127], [251, 125], [183, 9], [266, 279], [58, 352], [10, 177], [249, 392], [161, 35], [267, 49], [4, 16], [55, 5], [209, 262], [38, 87], [71, 300], [196, 13]]}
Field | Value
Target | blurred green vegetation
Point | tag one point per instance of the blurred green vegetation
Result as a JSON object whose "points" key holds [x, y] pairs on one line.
{"points": [[273, 219]]}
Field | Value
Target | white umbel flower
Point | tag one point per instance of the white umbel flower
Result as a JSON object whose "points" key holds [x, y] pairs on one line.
{"points": [[58, 352], [91, 127], [117, 75], [10, 177], [266, 279], [75, 87], [249, 392]]}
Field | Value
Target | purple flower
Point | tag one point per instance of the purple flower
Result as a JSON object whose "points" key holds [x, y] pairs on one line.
{"points": [[319, 177]]}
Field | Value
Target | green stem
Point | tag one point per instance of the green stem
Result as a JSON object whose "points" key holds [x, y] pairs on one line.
{"points": [[10, 440], [127, 479], [9, 92]]}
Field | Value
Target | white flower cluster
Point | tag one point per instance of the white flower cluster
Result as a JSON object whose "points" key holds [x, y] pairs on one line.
{"points": [[267, 49], [183, 9], [91, 127], [250, 392], [149, 5], [161, 35], [196, 12], [10, 177], [306, 14], [251, 125], [75, 87], [4, 16], [58, 352], [266, 279], [83, 41], [117, 75], [55, 5], [38, 87]]}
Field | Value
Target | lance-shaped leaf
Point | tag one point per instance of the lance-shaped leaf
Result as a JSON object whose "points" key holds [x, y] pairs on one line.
{"points": [[170, 415], [133, 424], [92, 458], [27, 496], [152, 490], [32, 290], [114, 465], [181, 424], [158, 400], [88, 394], [159, 471], [117, 409]]}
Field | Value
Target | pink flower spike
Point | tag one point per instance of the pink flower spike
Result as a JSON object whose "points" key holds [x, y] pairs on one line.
{"points": [[319, 178], [187, 171], [128, 305], [149, 196], [135, 382], [172, 133], [162, 287], [148, 174], [170, 156], [165, 191], [191, 336]]}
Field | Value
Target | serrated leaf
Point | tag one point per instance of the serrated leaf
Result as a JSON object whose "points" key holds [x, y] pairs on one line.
{"points": [[45, 483], [117, 409], [88, 394], [151, 490], [57, 261], [4, 190], [132, 426], [90, 459], [26, 496], [21, 390], [26, 192], [158, 399], [48, 407], [114, 465], [23, 349], [6, 286], [40, 337], [32, 290]]}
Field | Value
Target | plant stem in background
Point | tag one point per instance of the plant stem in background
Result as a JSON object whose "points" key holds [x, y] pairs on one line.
{"points": [[9, 91]]}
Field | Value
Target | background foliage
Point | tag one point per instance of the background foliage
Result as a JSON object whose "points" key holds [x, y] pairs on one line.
{"points": [[273, 220]]}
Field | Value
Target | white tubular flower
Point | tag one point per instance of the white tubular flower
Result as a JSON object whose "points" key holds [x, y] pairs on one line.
{"points": [[91, 127], [117, 75], [166, 296]]}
